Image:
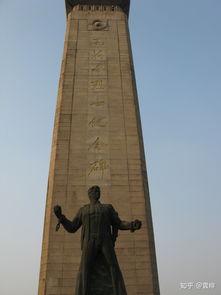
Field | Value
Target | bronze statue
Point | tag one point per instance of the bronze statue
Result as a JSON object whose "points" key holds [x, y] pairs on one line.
{"points": [[99, 271]]}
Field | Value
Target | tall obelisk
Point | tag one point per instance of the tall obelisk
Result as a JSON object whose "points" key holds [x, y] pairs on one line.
{"points": [[97, 140]]}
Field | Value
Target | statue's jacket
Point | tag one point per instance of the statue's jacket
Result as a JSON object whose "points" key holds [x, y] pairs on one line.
{"points": [[100, 224], [108, 223]]}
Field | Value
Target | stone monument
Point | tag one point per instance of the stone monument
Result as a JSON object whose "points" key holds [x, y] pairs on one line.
{"points": [[97, 140]]}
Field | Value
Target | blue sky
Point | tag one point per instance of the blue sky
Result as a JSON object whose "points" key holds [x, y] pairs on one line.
{"points": [[176, 47]]}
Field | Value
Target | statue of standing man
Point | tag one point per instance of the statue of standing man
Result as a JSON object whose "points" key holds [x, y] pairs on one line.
{"points": [[99, 272]]}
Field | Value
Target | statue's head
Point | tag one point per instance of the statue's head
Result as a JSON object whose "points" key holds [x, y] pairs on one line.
{"points": [[94, 193]]}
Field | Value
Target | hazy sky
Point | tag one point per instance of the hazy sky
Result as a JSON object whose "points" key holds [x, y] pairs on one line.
{"points": [[177, 55]]}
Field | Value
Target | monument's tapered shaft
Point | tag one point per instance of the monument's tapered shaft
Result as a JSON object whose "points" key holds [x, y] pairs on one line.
{"points": [[98, 140]]}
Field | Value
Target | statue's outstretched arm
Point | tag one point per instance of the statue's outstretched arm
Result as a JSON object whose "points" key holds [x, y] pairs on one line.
{"points": [[70, 226], [124, 225]]}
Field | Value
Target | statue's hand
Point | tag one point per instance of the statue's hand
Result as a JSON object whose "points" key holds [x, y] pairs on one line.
{"points": [[136, 224], [57, 211]]}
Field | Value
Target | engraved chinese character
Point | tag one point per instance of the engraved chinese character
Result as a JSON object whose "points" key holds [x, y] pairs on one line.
{"points": [[98, 102], [98, 166], [97, 84], [97, 54], [97, 42], [97, 122], [97, 145], [97, 68]]}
